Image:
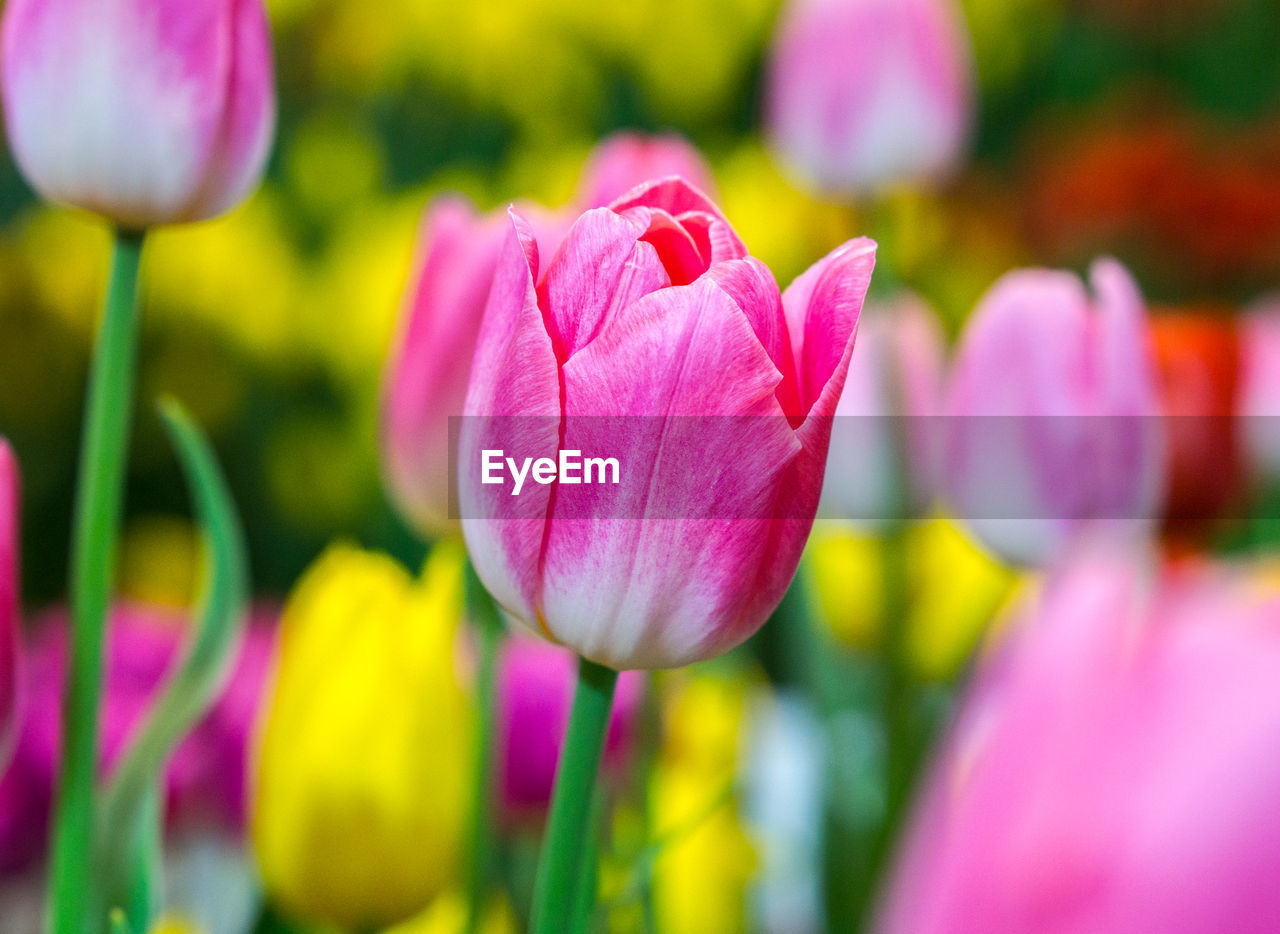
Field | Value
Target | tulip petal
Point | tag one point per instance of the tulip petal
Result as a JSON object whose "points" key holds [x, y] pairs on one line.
{"points": [[515, 391], [601, 266], [427, 380], [822, 308], [1129, 445], [750, 283], [657, 582], [9, 610], [109, 103], [677, 197], [248, 123]]}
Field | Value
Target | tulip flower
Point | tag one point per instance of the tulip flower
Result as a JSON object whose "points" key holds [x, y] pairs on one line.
{"points": [[1052, 400], [625, 160], [145, 111], [1198, 355], [861, 94], [651, 337], [426, 381], [535, 688], [882, 464], [1260, 392], [362, 779], [9, 608], [1114, 769], [207, 777], [426, 378]]}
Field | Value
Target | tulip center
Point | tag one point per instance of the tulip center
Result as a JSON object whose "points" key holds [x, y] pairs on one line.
{"points": [[681, 255]]}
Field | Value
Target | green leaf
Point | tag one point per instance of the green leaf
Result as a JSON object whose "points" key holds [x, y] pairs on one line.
{"points": [[130, 813]]}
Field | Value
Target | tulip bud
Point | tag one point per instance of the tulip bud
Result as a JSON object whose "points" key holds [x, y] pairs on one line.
{"points": [[366, 752], [1052, 409], [1113, 769], [882, 467], [865, 93], [9, 607], [535, 691], [146, 111], [625, 160], [426, 378], [1260, 389], [650, 338]]}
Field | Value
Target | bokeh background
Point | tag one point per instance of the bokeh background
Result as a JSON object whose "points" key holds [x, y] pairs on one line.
{"points": [[1148, 129]]}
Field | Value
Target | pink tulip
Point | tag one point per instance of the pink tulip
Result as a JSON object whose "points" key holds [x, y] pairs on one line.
{"points": [[651, 337], [1115, 770], [146, 111], [882, 467], [207, 777], [9, 608], [625, 160], [1260, 388], [865, 93], [426, 378], [535, 692], [1052, 430]]}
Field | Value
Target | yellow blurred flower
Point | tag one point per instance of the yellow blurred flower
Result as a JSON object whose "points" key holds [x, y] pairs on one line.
{"points": [[240, 274], [66, 254], [173, 924], [956, 589], [448, 915], [784, 227], [707, 860], [364, 767], [160, 561]]}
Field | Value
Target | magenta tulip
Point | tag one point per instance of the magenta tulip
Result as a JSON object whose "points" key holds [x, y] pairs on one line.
{"points": [[207, 777], [146, 111], [535, 691], [882, 466], [1260, 389], [865, 93], [9, 590], [625, 160], [1115, 769], [651, 339], [1053, 430], [426, 378]]}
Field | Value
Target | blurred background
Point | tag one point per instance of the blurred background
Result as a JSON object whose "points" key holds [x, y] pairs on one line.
{"points": [[1147, 129]]}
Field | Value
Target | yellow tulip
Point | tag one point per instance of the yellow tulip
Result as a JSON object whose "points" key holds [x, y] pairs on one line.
{"points": [[956, 589], [707, 859], [363, 775]]}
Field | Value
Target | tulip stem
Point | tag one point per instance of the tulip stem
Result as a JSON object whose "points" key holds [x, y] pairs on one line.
{"points": [[488, 627], [563, 849], [99, 496]]}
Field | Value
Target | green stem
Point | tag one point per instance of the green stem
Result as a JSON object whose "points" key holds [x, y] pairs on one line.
{"points": [[99, 495], [560, 865], [488, 626], [588, 879]]}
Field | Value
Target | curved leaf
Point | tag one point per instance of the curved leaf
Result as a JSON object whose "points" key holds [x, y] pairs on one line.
{"points": [[127, 841]]}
